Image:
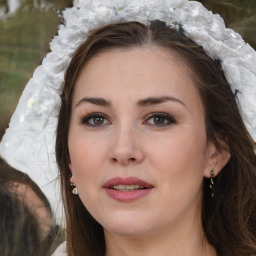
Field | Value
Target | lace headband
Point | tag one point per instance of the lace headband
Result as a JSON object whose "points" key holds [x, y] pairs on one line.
{"points": [[29, 142]]}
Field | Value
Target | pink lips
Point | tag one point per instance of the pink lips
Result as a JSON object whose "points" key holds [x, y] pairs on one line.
{"points": [[127, 196]]}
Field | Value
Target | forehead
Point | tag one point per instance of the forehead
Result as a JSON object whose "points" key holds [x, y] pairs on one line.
{"points": [[139, 70]]}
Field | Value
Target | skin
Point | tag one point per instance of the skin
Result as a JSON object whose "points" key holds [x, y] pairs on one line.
{"points": [[174, 156]]}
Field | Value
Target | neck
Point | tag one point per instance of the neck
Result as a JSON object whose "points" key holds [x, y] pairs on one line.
{"points": [[189, 241]]}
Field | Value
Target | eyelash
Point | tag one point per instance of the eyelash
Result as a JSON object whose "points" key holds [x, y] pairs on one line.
{"points": [[170, 120], [85, 120]]}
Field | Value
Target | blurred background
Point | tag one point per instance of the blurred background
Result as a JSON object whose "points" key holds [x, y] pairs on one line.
{"points": [[27, 27]]}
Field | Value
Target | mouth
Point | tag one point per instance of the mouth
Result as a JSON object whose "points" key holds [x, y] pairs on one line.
{"points": [[127, 189], [127, 183]]}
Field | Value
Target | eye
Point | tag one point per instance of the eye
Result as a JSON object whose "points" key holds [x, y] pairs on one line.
{"points": [[160, 119], [95, 119]]}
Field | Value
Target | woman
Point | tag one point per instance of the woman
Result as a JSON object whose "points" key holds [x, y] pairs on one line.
{"points": [[150, 134], [151, 139]]}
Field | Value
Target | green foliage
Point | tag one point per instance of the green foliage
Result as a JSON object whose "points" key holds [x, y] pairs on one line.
{"points": [[24, 41]]}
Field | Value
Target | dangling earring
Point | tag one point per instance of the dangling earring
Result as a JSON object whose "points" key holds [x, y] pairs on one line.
{"points": [[74, 189], [212, 183]]}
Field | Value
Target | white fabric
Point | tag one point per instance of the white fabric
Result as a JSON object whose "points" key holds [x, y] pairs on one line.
{"points": [[29, 142], [61, 250]]}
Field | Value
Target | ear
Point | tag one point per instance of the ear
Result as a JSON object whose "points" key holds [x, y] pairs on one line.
{"points": [[217, 158], [72, 180]]}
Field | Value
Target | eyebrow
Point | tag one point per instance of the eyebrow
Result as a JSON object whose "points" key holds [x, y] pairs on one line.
{"points": [[95, 101], [158, 100], [141, 103]]}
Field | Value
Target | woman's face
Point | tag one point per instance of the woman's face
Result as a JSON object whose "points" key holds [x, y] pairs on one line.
{"points": [[137, 142]]}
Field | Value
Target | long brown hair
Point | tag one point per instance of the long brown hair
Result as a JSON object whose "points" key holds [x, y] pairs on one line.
{"points": [[228, 219]]}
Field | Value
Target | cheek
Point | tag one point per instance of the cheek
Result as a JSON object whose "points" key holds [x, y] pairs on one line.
{"points": [[179, 168], [180, 159], [85, 164], [87, 157], [180, 147]]}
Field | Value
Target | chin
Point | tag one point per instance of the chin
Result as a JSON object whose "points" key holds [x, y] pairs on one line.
{"points": [[128, 230], [124, 225]]}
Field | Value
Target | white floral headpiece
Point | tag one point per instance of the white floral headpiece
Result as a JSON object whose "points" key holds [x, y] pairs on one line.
{"points": [[29, 142]]}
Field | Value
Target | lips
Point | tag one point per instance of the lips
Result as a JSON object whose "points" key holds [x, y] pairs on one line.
{"points": [[126, 181], [127, 189]]}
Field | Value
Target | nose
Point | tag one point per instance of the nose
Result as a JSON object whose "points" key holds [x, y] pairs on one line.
{"points": [[126, 147]]}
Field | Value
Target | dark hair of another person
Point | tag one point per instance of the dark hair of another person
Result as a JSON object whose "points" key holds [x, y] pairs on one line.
{"points": [[9, 177], [19, 230], [228, 219]]}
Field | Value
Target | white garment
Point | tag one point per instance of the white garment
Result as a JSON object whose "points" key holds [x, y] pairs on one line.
{"points": [[61, 250]]}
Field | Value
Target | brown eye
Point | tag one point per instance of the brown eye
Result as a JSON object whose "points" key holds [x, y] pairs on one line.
{"points": [[160, 119], [95, 119], [98, 120]]}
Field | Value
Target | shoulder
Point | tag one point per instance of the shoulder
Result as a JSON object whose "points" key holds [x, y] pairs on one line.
{"points": [[61, 250]]}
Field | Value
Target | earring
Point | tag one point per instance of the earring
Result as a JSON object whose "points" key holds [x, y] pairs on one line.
{"points": [[74, 189], [212, 183]]}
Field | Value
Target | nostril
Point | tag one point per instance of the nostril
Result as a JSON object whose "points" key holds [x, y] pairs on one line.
{"points": [[114, 160], [131, 159]]}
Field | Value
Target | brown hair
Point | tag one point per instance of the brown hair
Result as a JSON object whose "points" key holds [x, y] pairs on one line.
{"points": [[19, 230], [228, 219], [9, 177]]}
